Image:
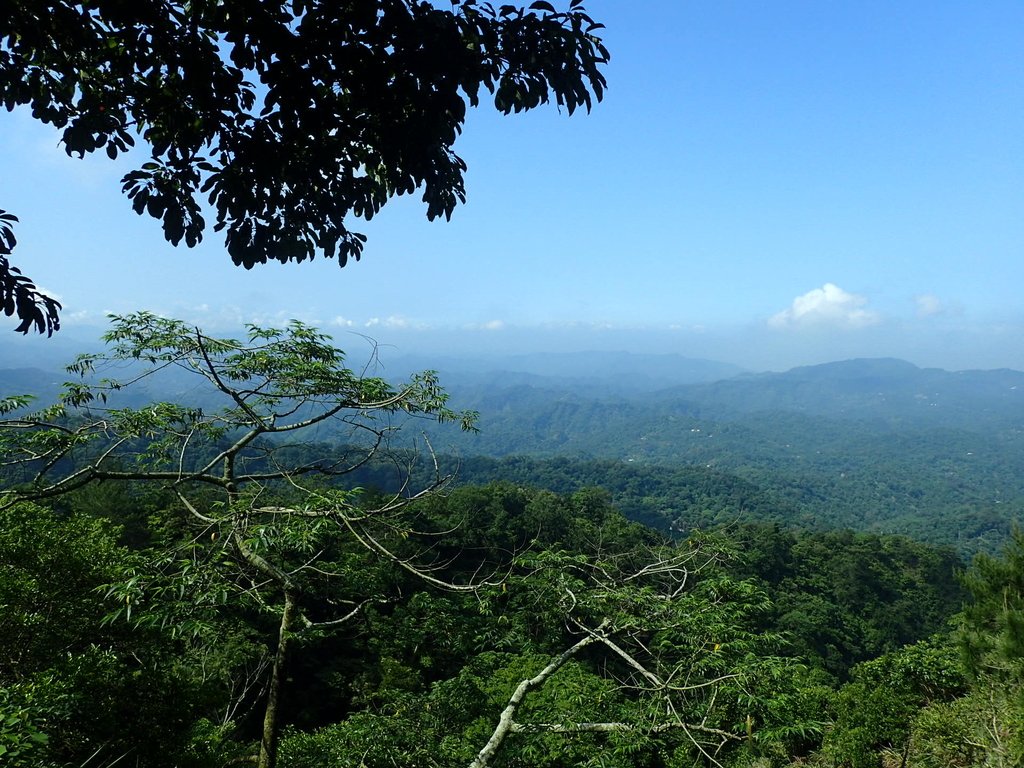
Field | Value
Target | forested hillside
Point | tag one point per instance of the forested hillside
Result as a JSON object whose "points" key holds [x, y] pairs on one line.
{"points": [[805, 635], [266, 570], [874, 445]]}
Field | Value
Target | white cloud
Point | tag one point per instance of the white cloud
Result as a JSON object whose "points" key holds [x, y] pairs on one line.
{"points": [[492, 325], [81, 317], [929, 305], [342, 322], [231, 318], [51, 294], [396, 322], [226, 317], [830, 306]]}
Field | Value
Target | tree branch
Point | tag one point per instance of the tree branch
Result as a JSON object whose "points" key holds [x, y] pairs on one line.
{"points": [[505, 721]]}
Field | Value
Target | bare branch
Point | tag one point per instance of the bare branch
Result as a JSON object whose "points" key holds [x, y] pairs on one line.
{"points": [[343, 619], [219, 383], [195, 512], [506, 721], [617, 727]]}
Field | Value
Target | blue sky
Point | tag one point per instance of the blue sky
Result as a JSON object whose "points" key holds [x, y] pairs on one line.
{"points": [[769, 184]]}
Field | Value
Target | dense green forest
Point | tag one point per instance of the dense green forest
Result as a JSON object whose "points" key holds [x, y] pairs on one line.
{"points": [[838, 648], [872, 445], [188, 585], [928, 487], [875, 445]]}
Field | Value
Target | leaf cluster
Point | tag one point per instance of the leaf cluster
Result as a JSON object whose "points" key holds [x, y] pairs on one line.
{"points": [[19, 296], [288, 117]]}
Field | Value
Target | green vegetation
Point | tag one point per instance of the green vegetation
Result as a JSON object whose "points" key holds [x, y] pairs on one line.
{"points": [[206, 582], [257, 568], [870, 445], [266, 534]]}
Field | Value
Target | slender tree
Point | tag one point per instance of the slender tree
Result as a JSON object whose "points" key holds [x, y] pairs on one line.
{"points": [[264, 529]]}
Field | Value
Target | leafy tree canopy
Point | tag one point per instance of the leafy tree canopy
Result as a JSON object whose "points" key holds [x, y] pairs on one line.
{"points": [[289, 116], [69, 678], [224, 458]]}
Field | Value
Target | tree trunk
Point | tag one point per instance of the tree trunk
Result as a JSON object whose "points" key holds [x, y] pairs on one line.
{"points": [[268, 745]]}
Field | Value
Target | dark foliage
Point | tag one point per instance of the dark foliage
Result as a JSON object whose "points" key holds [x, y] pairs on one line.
{"points": [[286, 117], [18, 294]]}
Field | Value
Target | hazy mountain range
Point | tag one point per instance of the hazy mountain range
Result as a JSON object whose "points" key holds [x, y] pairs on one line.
{"points": [[872, 444], [885, 391]]}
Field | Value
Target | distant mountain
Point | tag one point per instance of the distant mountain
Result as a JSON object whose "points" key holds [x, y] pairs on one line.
{"points": [[170, 385], [871, 444], [892, 391], [32, 351], [43, 385], [544, 416], [582, 395], [592, 373], [877, 445]]}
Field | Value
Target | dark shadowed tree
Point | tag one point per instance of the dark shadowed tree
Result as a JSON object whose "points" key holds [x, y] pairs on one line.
{"points": [[285, 118]]}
